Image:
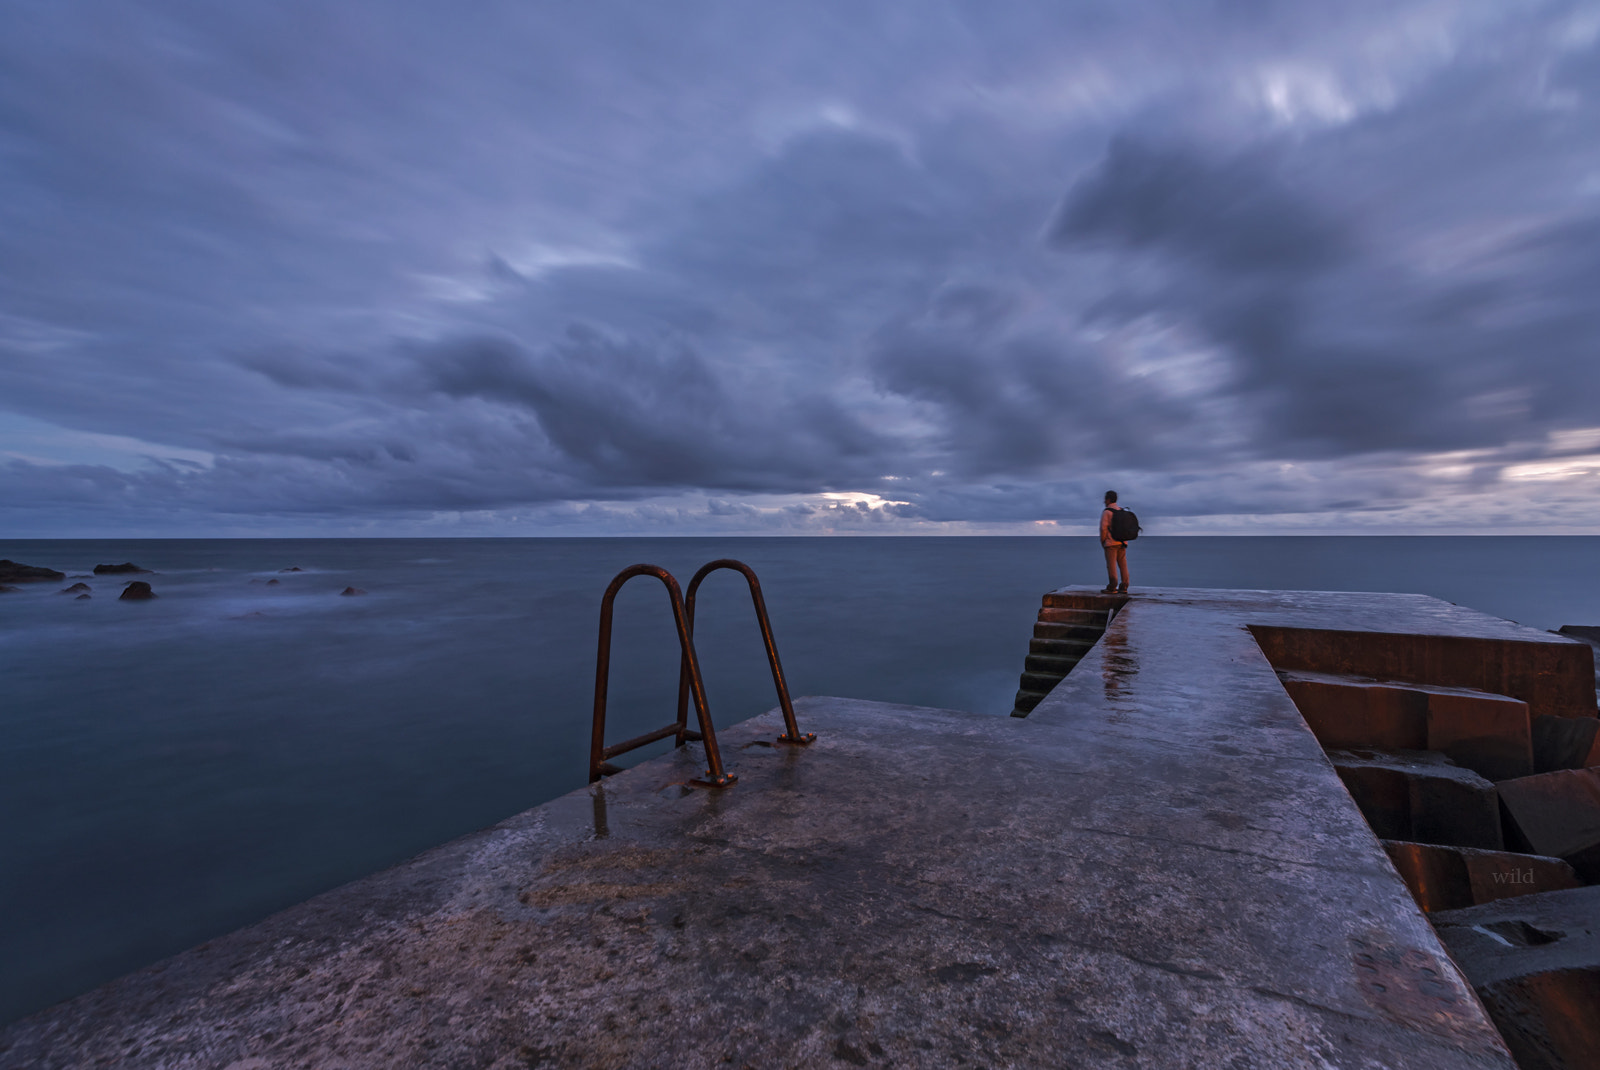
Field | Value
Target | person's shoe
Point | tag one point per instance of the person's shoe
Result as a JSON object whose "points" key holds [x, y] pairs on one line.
{"points": [[1109, 588], [1122, 588]]}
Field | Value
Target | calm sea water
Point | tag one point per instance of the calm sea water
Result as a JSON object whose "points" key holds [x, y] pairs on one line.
{"points": [[171, 770]]}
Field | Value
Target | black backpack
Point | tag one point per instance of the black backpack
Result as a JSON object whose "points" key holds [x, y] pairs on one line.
{"points": [[1124, 525]]}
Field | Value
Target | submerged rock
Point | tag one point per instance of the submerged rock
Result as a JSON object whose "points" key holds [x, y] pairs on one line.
{"points": [[352, 591], [126, 568], [17, 572], [137, 591], [76, 588], [292, 568], [85, 598]]}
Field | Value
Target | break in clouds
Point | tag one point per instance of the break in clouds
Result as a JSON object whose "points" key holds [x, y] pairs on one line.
{"points": [[621, 267]]}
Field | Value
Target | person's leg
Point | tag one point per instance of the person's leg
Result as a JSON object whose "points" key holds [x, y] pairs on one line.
{"points": [[1111, 566], [1122, 564]]}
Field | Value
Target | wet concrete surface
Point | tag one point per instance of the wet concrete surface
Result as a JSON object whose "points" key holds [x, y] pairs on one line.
{"points": [[1157, 868]]}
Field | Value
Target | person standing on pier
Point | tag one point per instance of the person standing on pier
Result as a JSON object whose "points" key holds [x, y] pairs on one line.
{"points": [[1115, 534]]}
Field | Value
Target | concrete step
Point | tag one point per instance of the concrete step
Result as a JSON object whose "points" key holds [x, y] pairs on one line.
{"points": [[1025, 702], [1098, 600], [1046, 665], [1060, 648], [1039, 681], [1093, 617], [1047, 630]]}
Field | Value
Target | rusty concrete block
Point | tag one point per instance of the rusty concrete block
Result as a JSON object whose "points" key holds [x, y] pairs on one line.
{"points": [[1421, 796], [1535, 963], [1348, 712], [1489, 734], [1449, 878], [1565, 743], [1557, 814], [1552, 678]]}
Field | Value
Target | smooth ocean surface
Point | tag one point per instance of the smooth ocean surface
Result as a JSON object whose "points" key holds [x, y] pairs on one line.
{"points": [[174, 769]]}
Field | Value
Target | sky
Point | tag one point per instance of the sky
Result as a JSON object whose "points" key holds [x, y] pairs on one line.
{"points": [[704, 267]]}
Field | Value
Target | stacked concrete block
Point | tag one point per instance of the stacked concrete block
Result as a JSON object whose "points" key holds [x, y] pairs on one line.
{"points": [[1557, 814], [1565, 743], [1422, 797], [1489, 734], [1449, 878], [1535, 963], [1348, 712]]}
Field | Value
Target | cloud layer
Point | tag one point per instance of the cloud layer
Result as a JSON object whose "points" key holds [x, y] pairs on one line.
{"points": [[602, 267]]}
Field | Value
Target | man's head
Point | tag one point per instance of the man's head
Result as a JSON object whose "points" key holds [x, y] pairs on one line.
{"points": [[1111, 496]]}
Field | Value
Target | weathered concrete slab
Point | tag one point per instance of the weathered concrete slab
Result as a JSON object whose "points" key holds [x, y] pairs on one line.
{"points": [[922, 888], [1558, 814], [1535, 962], [1451, 878], [1421, 796], [1159, 868]]}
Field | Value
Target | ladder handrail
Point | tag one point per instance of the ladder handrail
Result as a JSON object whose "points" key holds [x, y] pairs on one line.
{"points": [[689, 677], [686, 671]]}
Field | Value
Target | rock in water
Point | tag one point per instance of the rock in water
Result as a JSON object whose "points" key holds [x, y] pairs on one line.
{"points": [[352, 591], [137, 591], [16, 572], [292, 568], [6, 590], [85, 598], [76, 588], [126, 568], [1588, 632]]}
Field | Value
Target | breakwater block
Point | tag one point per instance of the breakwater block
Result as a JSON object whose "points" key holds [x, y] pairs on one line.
{"points": [[1535, 963], [1565, 743], [1489, 734], [1449, 878], [1557, 814], [1421, 796], [1346, 712]]}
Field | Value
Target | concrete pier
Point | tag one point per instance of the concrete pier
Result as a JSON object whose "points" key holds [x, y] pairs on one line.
{"points": [[1158, 867]]}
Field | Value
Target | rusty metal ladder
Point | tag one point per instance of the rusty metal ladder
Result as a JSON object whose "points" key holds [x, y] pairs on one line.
{"points": [[690, 683]]}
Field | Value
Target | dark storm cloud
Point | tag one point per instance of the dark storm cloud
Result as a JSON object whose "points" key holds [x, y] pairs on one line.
{"points": [[1339, 345], [1232, 215], [630, 414], [377, 259]]}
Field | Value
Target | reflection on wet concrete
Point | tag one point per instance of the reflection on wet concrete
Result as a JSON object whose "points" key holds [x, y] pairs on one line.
{"points": [[1117, 665], [597, 793]]}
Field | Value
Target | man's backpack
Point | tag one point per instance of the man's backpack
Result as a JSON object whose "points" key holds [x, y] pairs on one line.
{"points": [[1124, 525]]}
